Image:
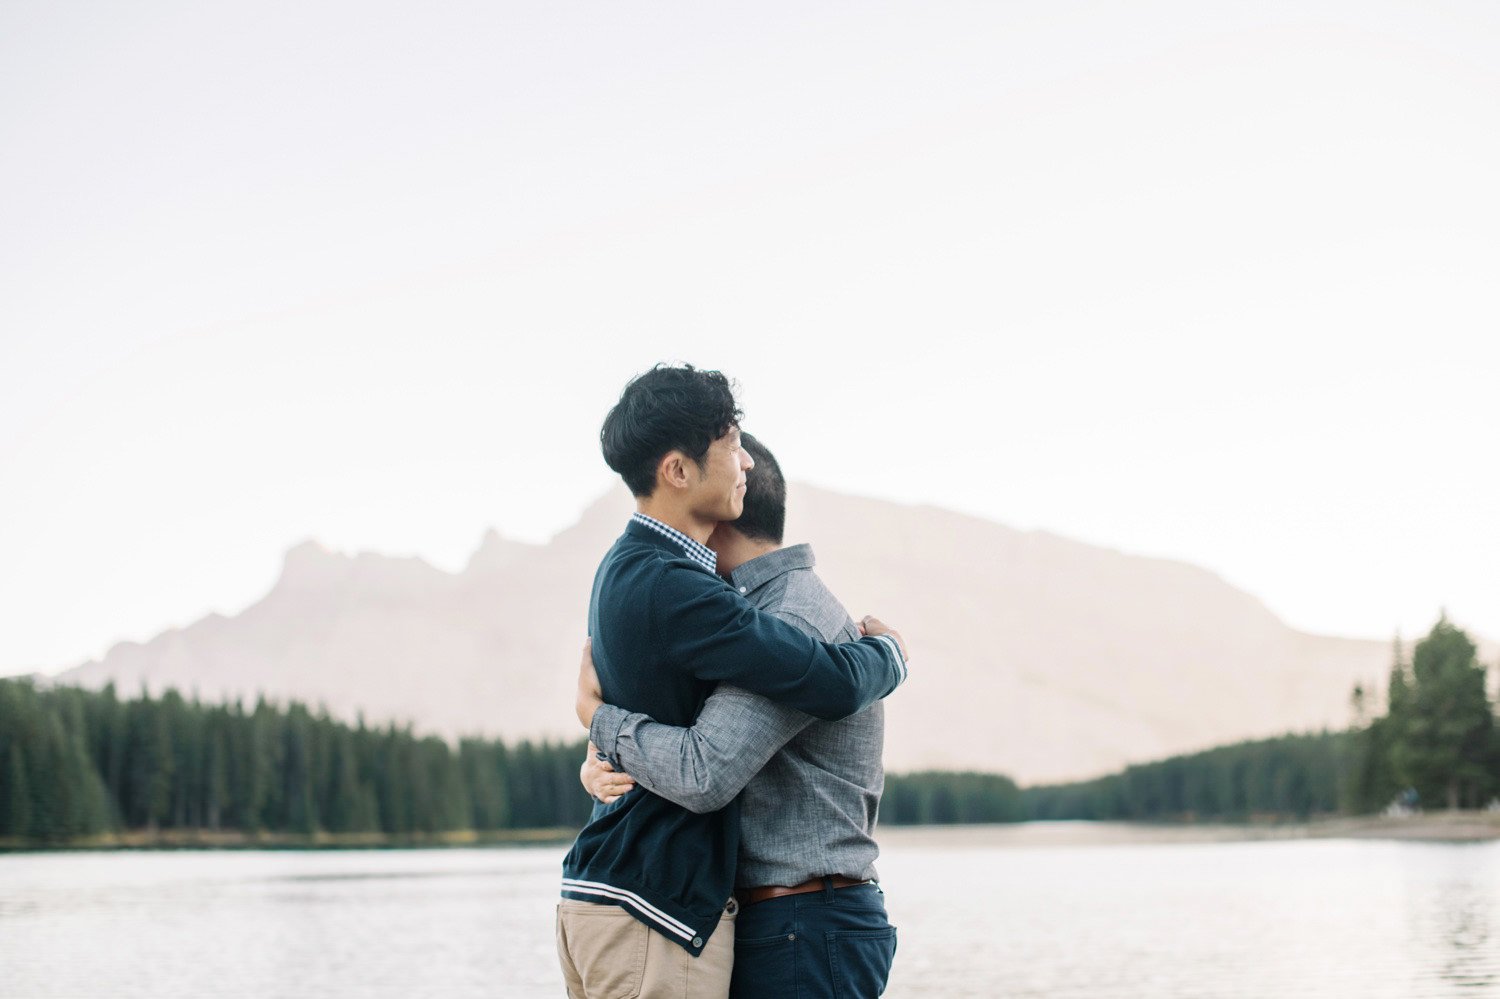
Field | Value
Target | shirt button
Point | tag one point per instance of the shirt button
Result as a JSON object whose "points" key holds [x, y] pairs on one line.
{"points": [[743, 590], [697, 941]]}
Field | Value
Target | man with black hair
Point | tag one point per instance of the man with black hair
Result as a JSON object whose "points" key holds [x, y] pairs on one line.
{"points": [[647, 907], [813, 920]]}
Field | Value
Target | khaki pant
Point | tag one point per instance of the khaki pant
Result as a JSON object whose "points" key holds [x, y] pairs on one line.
{"points": [[607, 953]]}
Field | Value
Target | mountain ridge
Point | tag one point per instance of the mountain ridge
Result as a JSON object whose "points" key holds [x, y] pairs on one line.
{"points": [[1033, 654]]}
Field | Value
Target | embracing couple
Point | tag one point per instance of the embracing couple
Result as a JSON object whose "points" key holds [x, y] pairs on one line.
{"points": [[734, 711]]}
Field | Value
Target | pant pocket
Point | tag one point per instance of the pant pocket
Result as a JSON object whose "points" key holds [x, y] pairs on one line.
{"points": [[860, 961], [604, 948], [765, 968]]}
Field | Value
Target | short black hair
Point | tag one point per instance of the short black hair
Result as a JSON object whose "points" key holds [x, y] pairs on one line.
{"points": [[764, 518], [669, 408]]}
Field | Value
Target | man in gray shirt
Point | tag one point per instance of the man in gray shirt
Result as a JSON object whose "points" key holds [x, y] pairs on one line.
{"points": [[812, 920]]}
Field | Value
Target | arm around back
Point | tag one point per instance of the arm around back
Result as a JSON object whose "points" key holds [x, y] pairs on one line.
{"points": [[703, 626], [703, 767]]}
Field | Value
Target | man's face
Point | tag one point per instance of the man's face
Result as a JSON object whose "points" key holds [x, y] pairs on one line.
{"points": [[720, 491]]}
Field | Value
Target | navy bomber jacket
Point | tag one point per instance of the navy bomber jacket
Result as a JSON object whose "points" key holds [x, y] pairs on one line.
{"points": [[665, 631]]}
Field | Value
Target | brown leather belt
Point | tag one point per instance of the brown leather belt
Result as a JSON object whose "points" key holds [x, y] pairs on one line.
{"points": [[749, 896]]}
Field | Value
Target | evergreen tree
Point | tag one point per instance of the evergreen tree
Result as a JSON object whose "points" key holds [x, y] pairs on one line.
{"points": [[108, 733], [1372, 783], [1442, 722], [341, 802], [483, 766], [216, 788], [149, 764], [262, 763], [15, 796], [300, 809]]}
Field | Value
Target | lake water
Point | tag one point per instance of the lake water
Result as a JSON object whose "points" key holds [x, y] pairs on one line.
{"points": [[1023, 911]]}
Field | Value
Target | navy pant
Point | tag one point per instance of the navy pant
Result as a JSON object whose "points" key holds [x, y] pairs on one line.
{"points": [[829, 943]]}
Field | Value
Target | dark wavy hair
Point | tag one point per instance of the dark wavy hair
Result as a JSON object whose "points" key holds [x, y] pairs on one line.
{"points": [[666, 409], [764, 518]]}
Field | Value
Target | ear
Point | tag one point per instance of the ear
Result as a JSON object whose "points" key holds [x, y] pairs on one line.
{"points": [[672, 471]]}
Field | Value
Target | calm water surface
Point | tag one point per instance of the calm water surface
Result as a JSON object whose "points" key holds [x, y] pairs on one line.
{"points": [[980, 914]]}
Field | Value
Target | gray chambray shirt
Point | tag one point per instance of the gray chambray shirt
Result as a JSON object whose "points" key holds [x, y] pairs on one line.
{"points": [[810, 788]]}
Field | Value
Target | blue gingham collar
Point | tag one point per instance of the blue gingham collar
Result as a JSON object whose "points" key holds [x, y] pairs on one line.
{"points": [[702, 554]]}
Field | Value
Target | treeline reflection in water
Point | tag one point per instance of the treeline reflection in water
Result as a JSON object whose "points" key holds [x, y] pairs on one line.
{"points": [[985, 911]]}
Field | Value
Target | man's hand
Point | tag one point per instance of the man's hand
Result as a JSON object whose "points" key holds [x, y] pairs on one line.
{"points": [[590, 697], [600, 779], [874, 627]]}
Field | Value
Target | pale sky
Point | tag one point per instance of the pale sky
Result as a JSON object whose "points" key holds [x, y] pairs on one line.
{"points": [[1204, 281]]}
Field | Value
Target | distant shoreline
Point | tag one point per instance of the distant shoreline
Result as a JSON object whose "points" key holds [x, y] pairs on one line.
{"points": [[1438, 827], [206, 839], [1441, 827]]}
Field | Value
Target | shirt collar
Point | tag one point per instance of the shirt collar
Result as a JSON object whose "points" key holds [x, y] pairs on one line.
{"points": [[763, 568], [702, 554]]}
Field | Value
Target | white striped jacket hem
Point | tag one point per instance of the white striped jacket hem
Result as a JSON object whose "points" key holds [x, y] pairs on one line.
{"points": [[652, 914]]}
